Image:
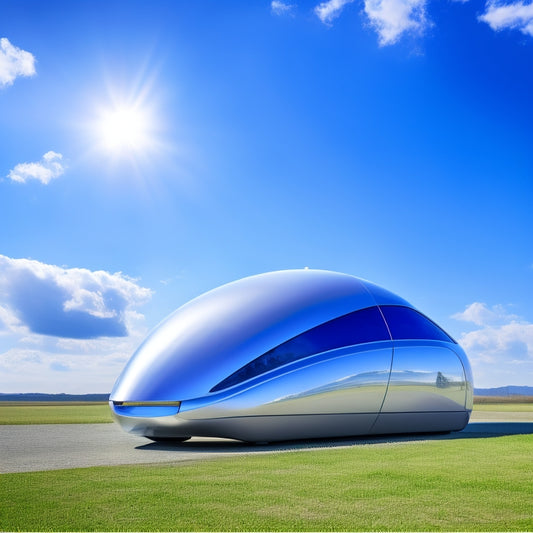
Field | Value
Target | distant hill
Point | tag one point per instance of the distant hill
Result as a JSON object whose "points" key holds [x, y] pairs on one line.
{"points": [[509, 390], [37, 397]]}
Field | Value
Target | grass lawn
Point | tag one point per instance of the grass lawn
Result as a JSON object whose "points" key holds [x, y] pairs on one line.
{"points": [[54, 413], [503, 399], [478, 484], [505, 407]]}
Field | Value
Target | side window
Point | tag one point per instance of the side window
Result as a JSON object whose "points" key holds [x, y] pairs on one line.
{"points": [[362, 326], [406, 323]]}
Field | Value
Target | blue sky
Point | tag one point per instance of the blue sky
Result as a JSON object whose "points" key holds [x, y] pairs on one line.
{"points": [[152, 151]]}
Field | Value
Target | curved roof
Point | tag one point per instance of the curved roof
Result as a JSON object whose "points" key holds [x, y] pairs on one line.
{"points": [[215, 334]]}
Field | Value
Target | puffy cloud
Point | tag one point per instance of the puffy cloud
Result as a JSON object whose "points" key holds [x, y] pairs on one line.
{"points": [[513, 342], [481, 315], [281, 8], [72, 303], [392, 18], [330, 10], [501, 349], [9, 323], [518, 16], [48, 168], [14, 62]]}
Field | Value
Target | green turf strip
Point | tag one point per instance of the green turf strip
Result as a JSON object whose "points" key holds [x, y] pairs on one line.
{"points": [[505, 407], [482, 484], [54, 413]]}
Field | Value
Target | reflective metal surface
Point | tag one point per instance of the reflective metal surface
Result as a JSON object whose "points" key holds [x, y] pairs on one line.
{"points": [[425, 377], [373, 387], [350, 382]]}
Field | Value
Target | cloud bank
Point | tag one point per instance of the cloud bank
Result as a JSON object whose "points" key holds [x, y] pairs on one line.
{"points": [[14, 62], [71, 303], [501, 341], [517, 16], [45, 170]]}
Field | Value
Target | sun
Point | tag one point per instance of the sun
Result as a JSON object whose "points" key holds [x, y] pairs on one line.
{"points": [[124, 129]]}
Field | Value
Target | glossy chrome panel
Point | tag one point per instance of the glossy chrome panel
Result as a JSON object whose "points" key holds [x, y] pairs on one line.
{"points": [[354, 382], [334, 394], [253, 428], [149, 426], [469, 400], [426, 376], [442, 421]]}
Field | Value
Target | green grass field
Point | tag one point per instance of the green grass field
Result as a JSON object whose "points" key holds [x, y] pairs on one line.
{"points": [[482, 484], [505, 407], [54, 413], [502, 399]]}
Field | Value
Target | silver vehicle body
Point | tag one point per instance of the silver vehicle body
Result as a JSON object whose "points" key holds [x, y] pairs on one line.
{"points": [[290, 355]]}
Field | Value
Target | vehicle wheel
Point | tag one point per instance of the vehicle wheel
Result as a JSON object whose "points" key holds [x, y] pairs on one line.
{"points": [[169, 440]]}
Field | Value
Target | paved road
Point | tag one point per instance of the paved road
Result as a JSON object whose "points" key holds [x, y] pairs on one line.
{"points": [[58, 446]]}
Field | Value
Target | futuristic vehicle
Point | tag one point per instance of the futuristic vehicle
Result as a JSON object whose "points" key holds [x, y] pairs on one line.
{"points": [[294, 354]]}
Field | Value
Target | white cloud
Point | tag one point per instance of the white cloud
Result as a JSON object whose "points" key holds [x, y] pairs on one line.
{"points": [[281, 8], [481, 315], [330, 10], [48, 168], [66, 329], [393, 18], [501, 349], [8, 321], [14, 62], [517, 16], [72, 303]]}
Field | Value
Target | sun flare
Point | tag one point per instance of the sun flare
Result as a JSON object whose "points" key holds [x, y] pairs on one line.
{"points": [[124, 129]]}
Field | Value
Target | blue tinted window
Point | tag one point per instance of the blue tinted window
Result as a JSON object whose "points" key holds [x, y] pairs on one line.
{"points": [[406, 323], [362, 326]]}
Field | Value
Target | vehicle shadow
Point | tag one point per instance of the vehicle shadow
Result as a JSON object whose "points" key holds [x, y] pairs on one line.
{"points": [[474, 430]]}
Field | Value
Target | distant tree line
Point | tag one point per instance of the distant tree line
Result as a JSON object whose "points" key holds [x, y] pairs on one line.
{"points": [[38, 397]]}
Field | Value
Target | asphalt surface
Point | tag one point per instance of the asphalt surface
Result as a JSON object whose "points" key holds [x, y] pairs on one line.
{"points": [[58, 446]]}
